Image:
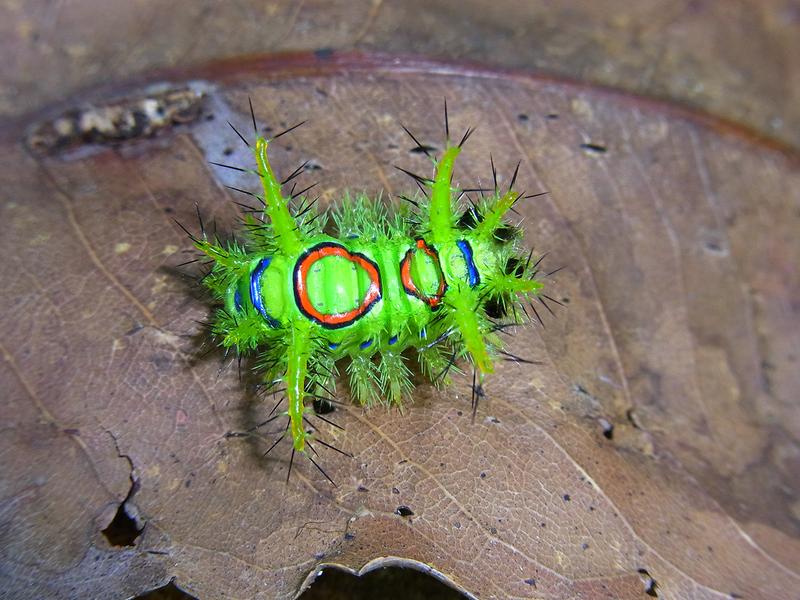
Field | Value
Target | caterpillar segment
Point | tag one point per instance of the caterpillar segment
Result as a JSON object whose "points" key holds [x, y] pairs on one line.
{"points": [[433, 277]]}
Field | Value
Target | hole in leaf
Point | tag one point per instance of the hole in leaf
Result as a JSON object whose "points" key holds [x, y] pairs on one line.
{"points": [[124, 527], [123, 530], [387, 583], [650, 584], [167, 592], [608, 429], [312, 165], [594, 148]]}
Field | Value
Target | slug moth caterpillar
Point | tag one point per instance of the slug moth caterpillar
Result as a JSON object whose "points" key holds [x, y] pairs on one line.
{"points": [[437, 280]]}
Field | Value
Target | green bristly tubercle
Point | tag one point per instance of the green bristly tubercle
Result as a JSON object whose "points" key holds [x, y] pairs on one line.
{"points": [[494, 217], [464, 303], [283, 224]]}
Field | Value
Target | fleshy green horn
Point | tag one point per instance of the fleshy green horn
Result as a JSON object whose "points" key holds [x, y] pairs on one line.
{"points": [[286, 231], [494, 217], [464, 300], [296, 371], [441, 210]]}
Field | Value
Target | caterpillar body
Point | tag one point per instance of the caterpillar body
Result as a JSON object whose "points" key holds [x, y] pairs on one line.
{"points": [[434, 277]]}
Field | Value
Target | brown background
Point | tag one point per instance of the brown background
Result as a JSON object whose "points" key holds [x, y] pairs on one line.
{"points": [[734, 58]]}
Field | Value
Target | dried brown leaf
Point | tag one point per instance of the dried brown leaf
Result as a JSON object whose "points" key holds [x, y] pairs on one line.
{"points": [[656, 441]]}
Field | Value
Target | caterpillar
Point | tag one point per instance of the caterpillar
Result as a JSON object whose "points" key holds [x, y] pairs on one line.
{"points": [[437, 277]]}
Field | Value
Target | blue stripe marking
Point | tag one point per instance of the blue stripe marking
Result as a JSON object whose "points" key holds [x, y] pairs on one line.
{"points": [[392, 340], [423, 334], [237, 301], [472, 271], [333, 345], [365, 345], [255, 291]]}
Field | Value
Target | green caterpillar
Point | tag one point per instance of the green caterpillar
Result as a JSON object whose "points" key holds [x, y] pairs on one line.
{"points": [[431, 277]]}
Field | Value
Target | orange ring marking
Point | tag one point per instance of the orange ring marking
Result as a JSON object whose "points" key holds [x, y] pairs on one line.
{"points": [[408, 282], [335, 320]]}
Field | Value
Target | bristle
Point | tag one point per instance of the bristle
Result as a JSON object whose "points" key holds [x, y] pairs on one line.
{"points": [[241, 137], [446, 123], [424, 149], [279, 440], [466, 136], [418, 178], [253, 116], [332, 447], [285, 131], [295, 173], [329, 422], [514, 177], [291, 462], [320, 469], [231, 167]]}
